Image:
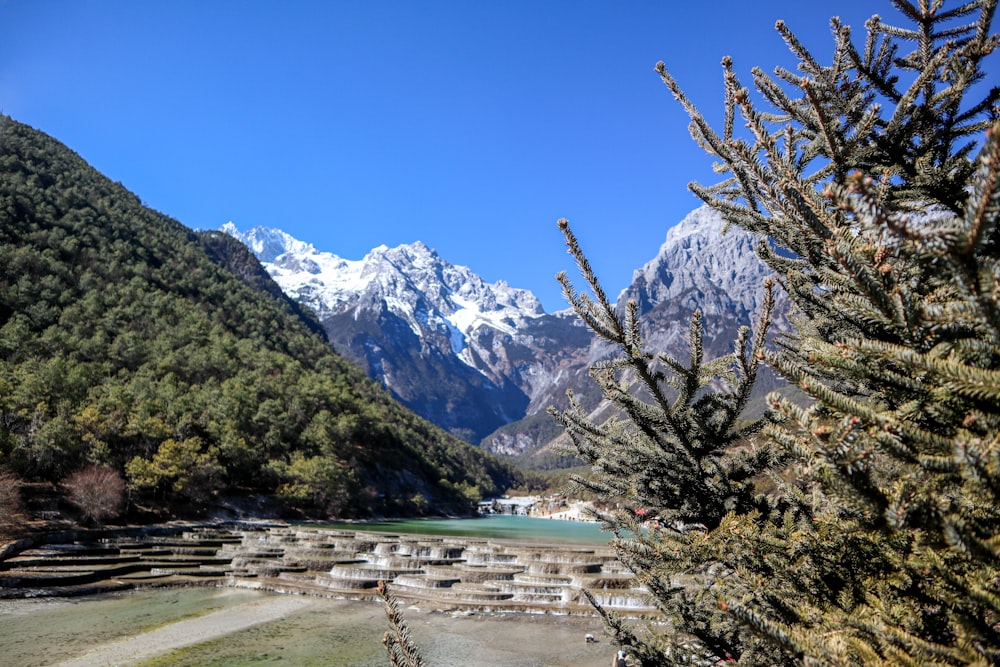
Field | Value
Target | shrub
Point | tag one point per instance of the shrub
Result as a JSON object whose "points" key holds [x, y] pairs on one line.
{"points": [[98, 492]]}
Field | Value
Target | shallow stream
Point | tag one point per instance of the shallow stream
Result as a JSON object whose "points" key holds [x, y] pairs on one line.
{"points": [[96, 631]]}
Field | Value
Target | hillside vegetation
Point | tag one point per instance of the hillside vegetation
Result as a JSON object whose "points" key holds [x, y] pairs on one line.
{"points": [[131, 342]]}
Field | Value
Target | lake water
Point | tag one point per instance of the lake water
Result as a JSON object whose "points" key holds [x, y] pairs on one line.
{"points": [[529, 529]]}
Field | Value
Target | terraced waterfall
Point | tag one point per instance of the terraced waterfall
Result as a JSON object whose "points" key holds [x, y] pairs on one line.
{"points": [[433, 571]]}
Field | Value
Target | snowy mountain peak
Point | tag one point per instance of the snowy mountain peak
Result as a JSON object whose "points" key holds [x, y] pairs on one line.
{"points": [[266, 243], [483, 360], [411, 280]]}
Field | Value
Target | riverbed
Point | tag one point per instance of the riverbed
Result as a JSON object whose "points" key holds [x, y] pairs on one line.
{"points": [[219, 626]]}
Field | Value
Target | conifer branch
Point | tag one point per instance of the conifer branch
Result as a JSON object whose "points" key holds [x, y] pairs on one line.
{"points": [[398, 643]]}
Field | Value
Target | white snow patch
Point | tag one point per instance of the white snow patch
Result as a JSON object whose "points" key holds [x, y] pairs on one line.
{"points": [[468, 316]]}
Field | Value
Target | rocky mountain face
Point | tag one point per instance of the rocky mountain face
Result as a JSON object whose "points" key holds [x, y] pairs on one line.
{"points": [[697, 267], [484, 360]]}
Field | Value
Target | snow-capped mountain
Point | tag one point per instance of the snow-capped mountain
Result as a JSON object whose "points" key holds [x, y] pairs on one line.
{"points": [[484, 360], [461, 352], [426, 291]]}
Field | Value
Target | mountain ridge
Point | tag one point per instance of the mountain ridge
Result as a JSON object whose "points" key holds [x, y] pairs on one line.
{"points": [[417, 323]]}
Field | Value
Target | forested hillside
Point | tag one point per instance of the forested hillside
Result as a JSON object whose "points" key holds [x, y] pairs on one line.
{"points": [[131, 342]]}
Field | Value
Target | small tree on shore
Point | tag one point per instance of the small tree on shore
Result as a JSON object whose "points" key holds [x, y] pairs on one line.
{"points": [[98, 491]]}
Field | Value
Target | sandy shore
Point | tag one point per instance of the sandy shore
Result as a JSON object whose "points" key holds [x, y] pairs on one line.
{"points": [[575, 512]]}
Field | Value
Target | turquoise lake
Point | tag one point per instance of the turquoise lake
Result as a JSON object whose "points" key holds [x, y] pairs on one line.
{"points": [[530, 529]]}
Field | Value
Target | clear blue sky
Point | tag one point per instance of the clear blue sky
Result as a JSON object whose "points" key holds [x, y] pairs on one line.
{"points": [[471, 125]]}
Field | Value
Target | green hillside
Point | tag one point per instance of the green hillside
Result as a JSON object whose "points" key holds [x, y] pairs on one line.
{"points": [[128, 340]]}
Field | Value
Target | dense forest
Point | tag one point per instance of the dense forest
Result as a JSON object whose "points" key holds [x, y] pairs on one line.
{"points": [[168, 357]]}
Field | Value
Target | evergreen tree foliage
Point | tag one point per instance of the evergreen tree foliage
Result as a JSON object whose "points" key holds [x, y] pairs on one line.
{"points": [[129, 341], [678, 461], [874, 183]]}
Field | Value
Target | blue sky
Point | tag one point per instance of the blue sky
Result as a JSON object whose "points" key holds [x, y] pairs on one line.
{"points": [[470, 125]]}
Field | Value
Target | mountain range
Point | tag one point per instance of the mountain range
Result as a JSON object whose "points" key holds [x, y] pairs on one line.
{"points": [[170, 359], [484, 360]]}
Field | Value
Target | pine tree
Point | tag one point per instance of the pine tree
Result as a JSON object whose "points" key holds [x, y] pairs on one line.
{"points": [[672, 455], [881, 541]]}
